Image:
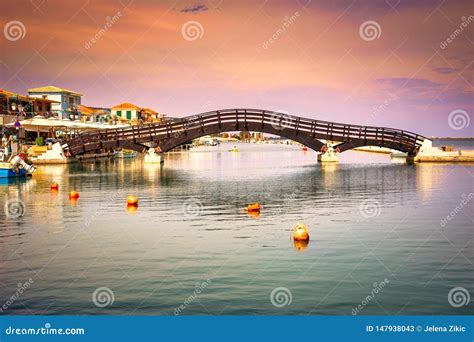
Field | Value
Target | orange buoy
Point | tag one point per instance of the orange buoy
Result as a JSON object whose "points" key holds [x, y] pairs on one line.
{"points": [[253, 207], [74, 195], [132, 200], [300, 232], [54, 186], [73, 201]]}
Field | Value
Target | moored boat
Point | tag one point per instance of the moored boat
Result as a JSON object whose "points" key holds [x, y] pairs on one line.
{"points": [[126, 154], [16, 167]]}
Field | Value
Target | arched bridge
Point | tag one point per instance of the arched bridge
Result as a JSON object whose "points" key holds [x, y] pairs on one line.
{"points": [[166, 136]]}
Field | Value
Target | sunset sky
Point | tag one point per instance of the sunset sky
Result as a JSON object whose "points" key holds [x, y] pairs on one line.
{"points": [[308, 58]]}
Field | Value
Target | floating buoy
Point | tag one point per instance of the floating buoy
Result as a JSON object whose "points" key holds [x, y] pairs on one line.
{"points": [[253, 207], [304, 148], [54, 186], [132, 200], [73, 195], [300, 232], [73, 201]]}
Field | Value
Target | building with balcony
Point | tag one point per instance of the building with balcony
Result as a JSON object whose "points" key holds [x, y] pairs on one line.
{"points": [[66, 102], [16, 107]]}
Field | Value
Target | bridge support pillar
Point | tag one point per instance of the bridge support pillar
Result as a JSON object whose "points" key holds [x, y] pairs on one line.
{"points": [[151, 157], [328, 155]]}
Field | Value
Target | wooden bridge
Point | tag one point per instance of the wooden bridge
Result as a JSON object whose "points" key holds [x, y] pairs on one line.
{"points": [[309, 132]]}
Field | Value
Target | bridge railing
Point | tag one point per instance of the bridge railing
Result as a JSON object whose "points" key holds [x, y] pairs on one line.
{"points": [[241, 118]]}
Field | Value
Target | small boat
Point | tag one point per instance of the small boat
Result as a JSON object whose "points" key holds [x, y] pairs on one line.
{"points": [[16, 167], [7, 170], [126, 154]]}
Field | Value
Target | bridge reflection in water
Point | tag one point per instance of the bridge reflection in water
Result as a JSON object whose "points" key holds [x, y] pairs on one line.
{"points": [[309, 132]]}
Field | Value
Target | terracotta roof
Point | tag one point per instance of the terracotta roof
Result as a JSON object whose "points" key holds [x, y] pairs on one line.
{"points": [[25, 97], [125, 105], [86, 110], [91, 110], [12, 94], [148, 110], [52, 89]]}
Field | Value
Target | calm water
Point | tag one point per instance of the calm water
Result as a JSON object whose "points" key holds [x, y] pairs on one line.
{"points": [[191, 226]]}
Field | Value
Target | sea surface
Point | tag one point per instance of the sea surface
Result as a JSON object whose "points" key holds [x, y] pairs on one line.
{"points": [[385, 238]]}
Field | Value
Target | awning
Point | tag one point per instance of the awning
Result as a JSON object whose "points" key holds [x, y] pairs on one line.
{"points": [[40, 123]]}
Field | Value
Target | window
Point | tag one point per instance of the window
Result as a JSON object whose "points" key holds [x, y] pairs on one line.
{"points": [[129, 115], [119, 113]]}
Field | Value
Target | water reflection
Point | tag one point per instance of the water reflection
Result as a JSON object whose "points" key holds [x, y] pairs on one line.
{"points": [[253, 214], [300, 245], [102, 241]]}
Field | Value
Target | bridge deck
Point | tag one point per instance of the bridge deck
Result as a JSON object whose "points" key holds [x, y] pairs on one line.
{"points": [[306, 131]]}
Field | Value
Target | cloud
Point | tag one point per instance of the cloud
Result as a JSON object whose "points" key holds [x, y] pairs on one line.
{"points": [[195, 9], [445, 70], [404, 83]]}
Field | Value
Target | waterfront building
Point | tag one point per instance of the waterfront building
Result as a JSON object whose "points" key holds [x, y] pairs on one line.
{"points": [[244, 136], [94, 114], [149, 115], [126, 111], [16, 107], [135, 114], [257, 136], [67, 102]]}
